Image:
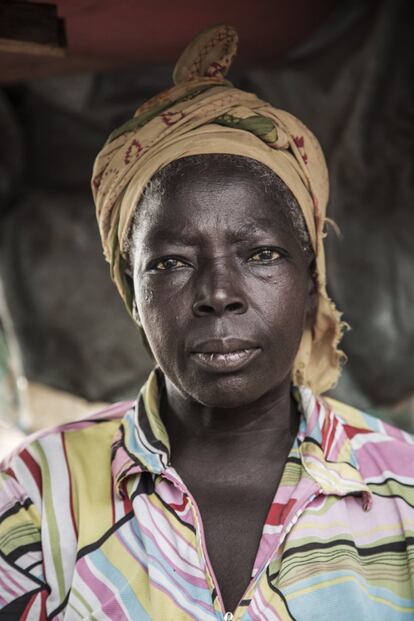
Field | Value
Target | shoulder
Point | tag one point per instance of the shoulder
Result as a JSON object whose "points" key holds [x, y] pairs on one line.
{"points": [[382, 450], [50, 487], [56, 454], [357, 422]]}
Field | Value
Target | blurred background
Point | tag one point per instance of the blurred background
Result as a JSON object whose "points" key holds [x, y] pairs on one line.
{"points": [[72, 70]]}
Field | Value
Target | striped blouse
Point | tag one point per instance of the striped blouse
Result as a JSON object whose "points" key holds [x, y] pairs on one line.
{"points": [[96, 524]]}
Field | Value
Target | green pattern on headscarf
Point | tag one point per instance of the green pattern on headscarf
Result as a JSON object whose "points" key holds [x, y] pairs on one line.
{"points": [[260, 126]]}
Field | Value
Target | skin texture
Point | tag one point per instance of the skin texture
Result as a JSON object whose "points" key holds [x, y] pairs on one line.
{"points": [[215, 259]]}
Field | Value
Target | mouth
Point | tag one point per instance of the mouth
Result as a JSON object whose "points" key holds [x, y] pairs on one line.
{"points": [[224, 354]]}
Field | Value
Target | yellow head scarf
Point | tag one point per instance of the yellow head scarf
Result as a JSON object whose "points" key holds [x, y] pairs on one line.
{"points": [[204, 113]]}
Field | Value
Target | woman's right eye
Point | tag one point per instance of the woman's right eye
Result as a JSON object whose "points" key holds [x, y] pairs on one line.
{"points": [[167, 264]]}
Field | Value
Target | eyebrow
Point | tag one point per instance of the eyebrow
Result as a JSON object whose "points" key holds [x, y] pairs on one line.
{"points": [[183, 238], [180, 238], [246, 230]]}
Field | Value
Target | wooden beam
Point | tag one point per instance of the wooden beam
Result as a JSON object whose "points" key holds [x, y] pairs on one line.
{"points": [[31, 28]]}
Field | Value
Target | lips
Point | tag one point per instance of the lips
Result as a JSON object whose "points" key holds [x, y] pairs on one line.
{"points": [[227, 354], [223, 345]]}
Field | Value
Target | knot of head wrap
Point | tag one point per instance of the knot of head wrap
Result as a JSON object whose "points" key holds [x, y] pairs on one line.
{"points": [[204, 113]]}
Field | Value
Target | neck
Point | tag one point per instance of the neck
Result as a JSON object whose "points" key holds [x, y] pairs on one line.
{"points": [[272, 420]]}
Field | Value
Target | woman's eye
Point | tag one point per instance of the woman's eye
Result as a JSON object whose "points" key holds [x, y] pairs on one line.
{"points": [[168, 264], [265, 256]]}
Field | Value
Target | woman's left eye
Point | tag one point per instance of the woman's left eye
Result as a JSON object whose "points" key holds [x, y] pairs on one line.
{"points": [[267, 255], [168, 264]]}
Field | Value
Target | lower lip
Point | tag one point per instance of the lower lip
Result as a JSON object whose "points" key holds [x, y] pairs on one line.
{"points": [[230, 361]]}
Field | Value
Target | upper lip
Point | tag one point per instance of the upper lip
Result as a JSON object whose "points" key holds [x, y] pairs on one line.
{"points": [[222, 345]]}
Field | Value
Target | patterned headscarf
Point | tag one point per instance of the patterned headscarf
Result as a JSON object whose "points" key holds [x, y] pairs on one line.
{"points": [[203, 113]]}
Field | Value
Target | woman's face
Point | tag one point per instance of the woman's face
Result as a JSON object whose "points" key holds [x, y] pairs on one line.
{"points": [[223, 288]]}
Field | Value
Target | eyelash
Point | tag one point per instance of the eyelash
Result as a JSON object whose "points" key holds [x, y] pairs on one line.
{"points": [[270, 249], [154, 267], [281, 254]]}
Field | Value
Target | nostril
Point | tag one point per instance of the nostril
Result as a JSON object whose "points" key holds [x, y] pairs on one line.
{"points": [[235, 306], [218, 307], [205, 309]]}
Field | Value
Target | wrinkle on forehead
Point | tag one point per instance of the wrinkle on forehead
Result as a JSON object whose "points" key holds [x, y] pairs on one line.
{"points": [[244, 232]]}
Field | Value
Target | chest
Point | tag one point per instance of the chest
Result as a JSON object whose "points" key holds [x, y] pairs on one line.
{"points": [[331, 559], [233, 509]]}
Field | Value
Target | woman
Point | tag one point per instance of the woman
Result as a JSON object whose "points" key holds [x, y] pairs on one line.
{"points": [[231, 489]]}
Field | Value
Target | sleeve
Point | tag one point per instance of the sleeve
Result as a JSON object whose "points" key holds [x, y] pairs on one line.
{"points": [[23, 590]]}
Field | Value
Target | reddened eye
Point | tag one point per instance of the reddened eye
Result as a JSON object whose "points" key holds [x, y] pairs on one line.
{"points": [[265, 255]]}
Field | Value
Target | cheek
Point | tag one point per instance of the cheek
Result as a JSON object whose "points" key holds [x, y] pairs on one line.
{"points": [[144, 296], [282, 296], [161, 313], [284, 309]]}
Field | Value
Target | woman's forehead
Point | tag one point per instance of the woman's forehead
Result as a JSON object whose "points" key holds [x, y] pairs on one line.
{"points": [[189, 171], [213, 194], [215, 178], [219, 201], [192, 232]]}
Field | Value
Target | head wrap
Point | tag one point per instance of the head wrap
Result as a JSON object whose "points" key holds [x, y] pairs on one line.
{"points": [[203, 113]]}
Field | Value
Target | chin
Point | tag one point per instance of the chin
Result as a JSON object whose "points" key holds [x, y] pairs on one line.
{"points": [[227, 391]]}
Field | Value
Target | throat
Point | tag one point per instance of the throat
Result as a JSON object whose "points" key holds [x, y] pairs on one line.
{"points": [[185, 418]]}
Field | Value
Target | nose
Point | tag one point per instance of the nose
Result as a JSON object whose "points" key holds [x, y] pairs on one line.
{"points": [[219, 292]]}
